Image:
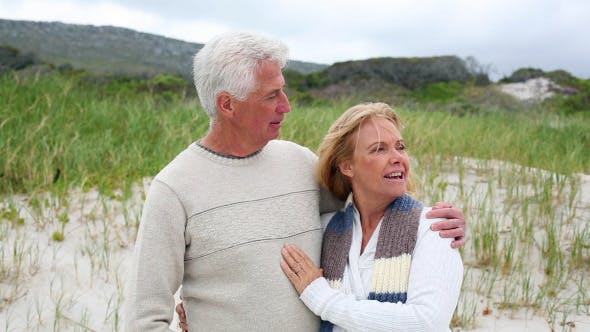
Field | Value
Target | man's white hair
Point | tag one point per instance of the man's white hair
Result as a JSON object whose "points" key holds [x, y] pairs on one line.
{"points": [[228, 63]]}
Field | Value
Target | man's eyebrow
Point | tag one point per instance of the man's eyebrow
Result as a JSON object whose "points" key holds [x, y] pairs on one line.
{"points": [[274, 91], [277, 90]]}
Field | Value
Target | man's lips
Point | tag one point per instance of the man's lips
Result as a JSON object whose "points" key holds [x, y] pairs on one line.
{"points": [[277, 123]]}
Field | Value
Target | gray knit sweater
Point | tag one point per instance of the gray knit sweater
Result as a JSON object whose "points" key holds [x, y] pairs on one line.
{"points": [[216, 225]]}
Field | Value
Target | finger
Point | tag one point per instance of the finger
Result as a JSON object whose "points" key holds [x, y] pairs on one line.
{"points": [[180, 310], [458, 242], [304, 260], [300, 261], [297, 253], [448, 224], [289, 259], [301, 257], [440, 205], [447, 212], [452, 233], [289, 272]]}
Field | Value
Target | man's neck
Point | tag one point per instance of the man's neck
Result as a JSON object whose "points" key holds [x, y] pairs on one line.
{"points": [[228, 145]]}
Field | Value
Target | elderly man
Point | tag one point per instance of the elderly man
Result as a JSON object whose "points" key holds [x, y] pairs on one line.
{"points": [[215, 218]]}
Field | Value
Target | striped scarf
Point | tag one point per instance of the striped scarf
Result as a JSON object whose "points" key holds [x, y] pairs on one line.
{"points": [[393, 256]]}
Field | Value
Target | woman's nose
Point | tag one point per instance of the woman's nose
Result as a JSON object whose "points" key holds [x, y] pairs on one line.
{"points": [[394, 156]]}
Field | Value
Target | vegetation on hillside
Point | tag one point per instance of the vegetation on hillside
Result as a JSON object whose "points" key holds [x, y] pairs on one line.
{"points": [[560, 77], [71, 128], [108, 49], [76, 149], [12, 59], [573, 93], [53, 118], [410, 73]]}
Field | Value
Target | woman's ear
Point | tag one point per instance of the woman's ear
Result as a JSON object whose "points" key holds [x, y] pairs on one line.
{"points": [[345, 168], [224, 104]]}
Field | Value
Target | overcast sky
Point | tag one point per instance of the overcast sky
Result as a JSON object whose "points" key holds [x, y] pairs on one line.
{"points": [[503, 35]]}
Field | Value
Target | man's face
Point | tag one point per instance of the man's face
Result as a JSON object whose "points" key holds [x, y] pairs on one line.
{"points": [[258, 119]]}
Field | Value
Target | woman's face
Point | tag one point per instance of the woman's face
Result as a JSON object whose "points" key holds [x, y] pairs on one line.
{"points": [[380, 165]]}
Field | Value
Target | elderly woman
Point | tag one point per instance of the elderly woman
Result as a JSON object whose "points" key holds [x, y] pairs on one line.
{"points": [[383, 268]]}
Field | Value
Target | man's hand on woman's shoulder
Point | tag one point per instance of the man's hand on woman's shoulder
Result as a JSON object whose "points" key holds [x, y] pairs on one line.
{"points": [[453, 227]]}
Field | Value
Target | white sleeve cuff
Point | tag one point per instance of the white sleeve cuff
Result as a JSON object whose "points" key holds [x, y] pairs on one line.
{"points": [[317, 294]]}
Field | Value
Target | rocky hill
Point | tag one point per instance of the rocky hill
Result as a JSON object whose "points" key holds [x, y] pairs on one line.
{"points": [[410, 73], [107, 48]]}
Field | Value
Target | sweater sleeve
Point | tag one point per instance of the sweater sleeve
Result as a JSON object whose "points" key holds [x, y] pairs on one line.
{"points": [[158, 265], [433, 291]]}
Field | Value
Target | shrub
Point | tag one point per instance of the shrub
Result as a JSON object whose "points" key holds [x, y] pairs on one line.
{"points": [[578, 103], [12, 58], [440, 92], [522, 75], [410, 73], [58, 237]]}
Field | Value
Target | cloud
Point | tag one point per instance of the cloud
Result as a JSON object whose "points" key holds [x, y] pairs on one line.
{"points": [[504, 34]]}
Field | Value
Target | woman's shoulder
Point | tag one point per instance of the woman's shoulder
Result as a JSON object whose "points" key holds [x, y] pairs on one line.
{"points": [[424, 231], [426, 222]]}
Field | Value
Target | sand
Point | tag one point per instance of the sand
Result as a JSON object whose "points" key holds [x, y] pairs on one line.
{"points": [[79, 283], [536, 89]]}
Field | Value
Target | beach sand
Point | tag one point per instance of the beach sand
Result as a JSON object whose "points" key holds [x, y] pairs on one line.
{"points": [[79, 283]]}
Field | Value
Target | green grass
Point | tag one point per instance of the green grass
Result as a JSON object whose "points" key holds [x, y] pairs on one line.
{"points": [[528, 240], [59, 131], [559, 144]]}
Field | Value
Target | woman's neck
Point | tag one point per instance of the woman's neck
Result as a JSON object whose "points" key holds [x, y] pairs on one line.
{"points": [[371, 212]]}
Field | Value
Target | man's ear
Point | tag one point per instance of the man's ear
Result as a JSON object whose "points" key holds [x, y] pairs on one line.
{"points": [[224, 104], [346, 168]]}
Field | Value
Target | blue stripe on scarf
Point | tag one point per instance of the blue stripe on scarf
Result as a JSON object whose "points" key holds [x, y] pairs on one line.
{"points": [[326, 326], [389, 297], [342, 221], [404, 203]]}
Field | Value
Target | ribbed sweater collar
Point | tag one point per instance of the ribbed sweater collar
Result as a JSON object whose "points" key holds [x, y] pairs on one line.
{"points": [[223, 159]]}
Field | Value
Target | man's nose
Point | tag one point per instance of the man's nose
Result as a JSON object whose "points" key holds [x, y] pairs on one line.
{"points": [[284, 106]]}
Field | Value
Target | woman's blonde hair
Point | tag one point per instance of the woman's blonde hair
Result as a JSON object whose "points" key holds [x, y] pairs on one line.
{"points": [[338, 146]]}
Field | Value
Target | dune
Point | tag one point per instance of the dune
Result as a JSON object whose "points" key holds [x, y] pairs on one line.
{"points": [[79, 283]]}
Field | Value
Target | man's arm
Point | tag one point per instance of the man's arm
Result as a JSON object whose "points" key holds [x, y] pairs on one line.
{"points": [[453, 227], [159, 261]]}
